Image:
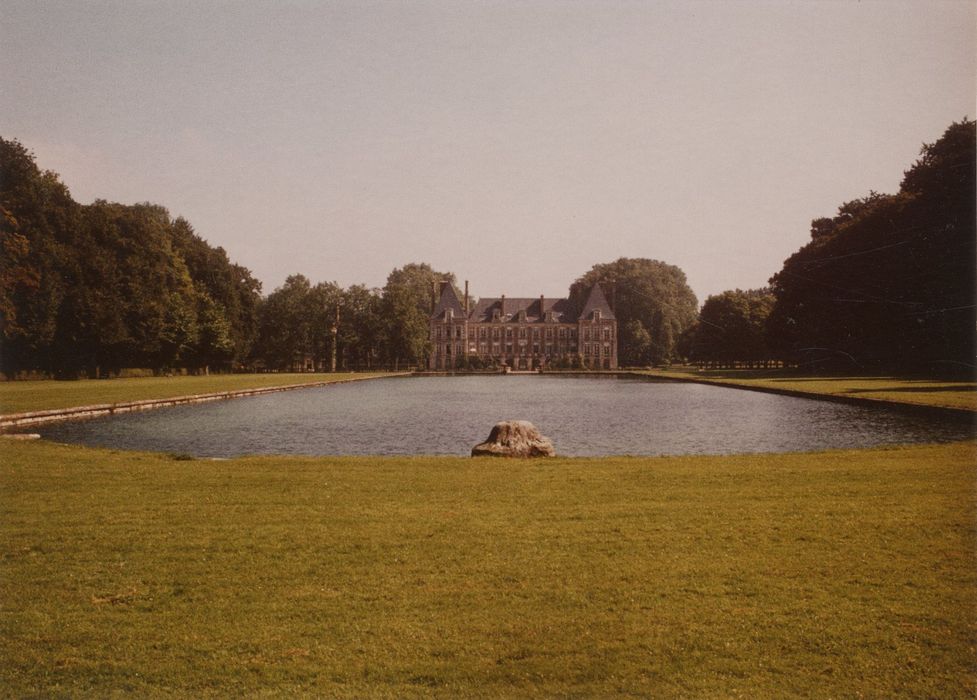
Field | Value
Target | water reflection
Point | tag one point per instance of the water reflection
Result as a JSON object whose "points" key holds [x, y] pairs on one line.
{"points": [[447, 415]]}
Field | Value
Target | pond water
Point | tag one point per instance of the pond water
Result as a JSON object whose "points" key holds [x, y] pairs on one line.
{"points": [[584, 416]]}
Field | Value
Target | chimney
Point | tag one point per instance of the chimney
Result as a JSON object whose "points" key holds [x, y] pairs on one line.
{"points": [[502, 307], [434, 296], [466, 298], [541, 311]]}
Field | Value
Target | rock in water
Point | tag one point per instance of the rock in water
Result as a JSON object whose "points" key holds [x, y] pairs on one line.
{"points": [[515, 438]]}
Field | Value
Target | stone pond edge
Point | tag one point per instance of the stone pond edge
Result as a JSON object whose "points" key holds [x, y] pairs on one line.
{"points": [[51, 415], [18, 420]]}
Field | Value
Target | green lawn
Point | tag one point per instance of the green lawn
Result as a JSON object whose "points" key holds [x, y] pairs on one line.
{"points": [[928, 392], [838, 574], [19, 397]]}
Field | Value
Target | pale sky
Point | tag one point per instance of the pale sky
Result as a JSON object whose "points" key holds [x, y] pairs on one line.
{"points": [[515, 144]]}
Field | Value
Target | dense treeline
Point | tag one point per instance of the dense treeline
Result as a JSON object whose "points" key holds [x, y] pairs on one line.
{"points": [[374, 328], [91, 289], [87, 290], [889, 282], [886, 284]]}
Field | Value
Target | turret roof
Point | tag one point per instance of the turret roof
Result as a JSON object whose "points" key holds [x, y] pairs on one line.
{"points": [[596, 301], [448, 301]]}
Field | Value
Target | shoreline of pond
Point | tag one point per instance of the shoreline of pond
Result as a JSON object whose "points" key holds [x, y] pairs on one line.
{"points": [[14, 421], [959, 414], [10, 423]]}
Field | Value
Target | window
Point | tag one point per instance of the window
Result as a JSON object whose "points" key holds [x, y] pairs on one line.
{"points": [[563, 333], [535, 334], [438, 332], [586, 334], [607, 333], [508, 334], [495, 334], [458, 330], [522, 332], [481, 333], [508, 348], [549, 334]]}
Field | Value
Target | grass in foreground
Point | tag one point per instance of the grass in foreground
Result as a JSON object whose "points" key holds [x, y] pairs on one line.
{"points": [[19, 397], [927, 392], [832, 574]]}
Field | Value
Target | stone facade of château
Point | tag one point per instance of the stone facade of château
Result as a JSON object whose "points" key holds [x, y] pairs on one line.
{"points": [[521, 333]]}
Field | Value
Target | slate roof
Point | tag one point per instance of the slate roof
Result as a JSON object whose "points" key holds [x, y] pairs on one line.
{"points": [[449, 300], [596, 301], [482, 311]]}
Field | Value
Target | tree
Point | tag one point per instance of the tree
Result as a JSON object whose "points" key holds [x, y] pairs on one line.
{"points": [[888, 283], [285, 329], [360, 327], [230, 289], [652, 302], [732, 327], [214, 347], [319, 309], [89, 290], [406, 310], [38, 224]]}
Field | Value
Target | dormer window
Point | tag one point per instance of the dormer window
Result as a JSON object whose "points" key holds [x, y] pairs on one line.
{"points": [[596, 314]]}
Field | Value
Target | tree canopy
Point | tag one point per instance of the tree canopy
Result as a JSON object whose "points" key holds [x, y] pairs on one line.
{"points": [[652, 301], [732, 327], [88, 290], [91, 289], [888, 282], [406, 308]]}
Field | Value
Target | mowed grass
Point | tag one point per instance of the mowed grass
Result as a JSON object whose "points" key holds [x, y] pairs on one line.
{"points": [[20, 397], [927, 392], [838, 574]]}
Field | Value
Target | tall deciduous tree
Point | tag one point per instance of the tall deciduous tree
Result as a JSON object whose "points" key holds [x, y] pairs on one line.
{"points": [[406, 310], [285, 326], [361, 330], [38, 226], [653, 304], [732, 327]]}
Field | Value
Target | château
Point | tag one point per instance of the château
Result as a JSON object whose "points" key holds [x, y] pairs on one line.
{"points": [[521, 333]]}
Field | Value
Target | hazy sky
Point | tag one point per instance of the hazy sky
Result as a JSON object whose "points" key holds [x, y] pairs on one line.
{"points": [[515, 144]]}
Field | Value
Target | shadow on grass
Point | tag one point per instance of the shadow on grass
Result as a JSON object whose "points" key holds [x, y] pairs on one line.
{"points": [[779, 376], [910, 389]]}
